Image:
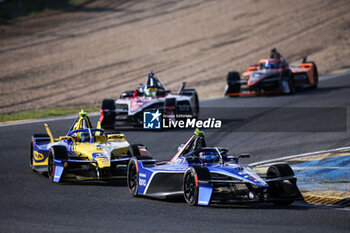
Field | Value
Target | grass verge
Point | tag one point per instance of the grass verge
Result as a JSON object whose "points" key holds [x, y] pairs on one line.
{"points": [[14, 9], [43, 113]]}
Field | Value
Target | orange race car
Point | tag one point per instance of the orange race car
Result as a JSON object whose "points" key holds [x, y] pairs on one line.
{"points": [[272, 75]]}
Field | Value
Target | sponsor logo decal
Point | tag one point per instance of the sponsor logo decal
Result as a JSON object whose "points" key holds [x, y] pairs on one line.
{"points": [[151, 120], [155, 120], [38, 156], [142, 182], [192, 123], [99, 156]]}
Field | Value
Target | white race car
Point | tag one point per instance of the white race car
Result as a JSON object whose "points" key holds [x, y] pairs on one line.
{"points": [[129, 108]]}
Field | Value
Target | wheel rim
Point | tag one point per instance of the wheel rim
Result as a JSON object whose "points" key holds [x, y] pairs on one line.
{"points": [[190, 188], [133, 184]]}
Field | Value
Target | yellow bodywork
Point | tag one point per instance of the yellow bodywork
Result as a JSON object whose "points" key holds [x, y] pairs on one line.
{"points": [[49, 132], [113, 144], [99, 152], [83, 122]]}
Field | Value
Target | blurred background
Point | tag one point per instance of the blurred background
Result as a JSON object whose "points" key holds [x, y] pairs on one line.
{"points": [[73, 53]]}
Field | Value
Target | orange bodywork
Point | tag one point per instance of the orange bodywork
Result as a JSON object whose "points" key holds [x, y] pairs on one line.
{"points": [[253, 68], [308, 68]]}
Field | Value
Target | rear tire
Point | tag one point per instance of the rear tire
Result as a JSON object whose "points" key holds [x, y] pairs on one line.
{"points": [[108, 107], [232, 85], [278, 189], [108, 104], [31, 155], [133, 150], [170, 103], [315, 85], [193, 93]]}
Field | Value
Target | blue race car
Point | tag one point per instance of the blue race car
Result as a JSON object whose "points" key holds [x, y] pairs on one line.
{"points": [[204, 175]]}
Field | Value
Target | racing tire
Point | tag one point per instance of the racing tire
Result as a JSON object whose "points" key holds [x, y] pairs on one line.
{"points": [[193, 93], [56, 152], [170, 102], [279, 189], [190, 183], [108, 104], [291, 85], [315, 71], [134, 150], [31, 155], [50, 168], [108, 107], [196, 101], [132, 177], [232, 86]]}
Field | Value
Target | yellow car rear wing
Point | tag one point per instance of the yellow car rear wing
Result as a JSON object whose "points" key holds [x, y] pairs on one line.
{"points": [[49, 132]]}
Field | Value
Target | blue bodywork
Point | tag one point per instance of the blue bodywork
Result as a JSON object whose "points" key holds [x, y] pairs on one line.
{"points": [[205, 174], [167, 177]]}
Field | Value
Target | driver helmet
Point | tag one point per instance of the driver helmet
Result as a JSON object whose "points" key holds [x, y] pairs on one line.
{"points": [[269, 64], [151, 91], [84, 137], [140, 88], [208, 156]]}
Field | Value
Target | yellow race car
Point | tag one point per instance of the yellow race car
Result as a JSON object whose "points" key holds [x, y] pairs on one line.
{"points": [[84, 153]]}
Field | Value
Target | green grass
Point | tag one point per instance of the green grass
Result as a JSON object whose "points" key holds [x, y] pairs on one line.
{"points": [[14, 9], [43, 113], [76, 2]]}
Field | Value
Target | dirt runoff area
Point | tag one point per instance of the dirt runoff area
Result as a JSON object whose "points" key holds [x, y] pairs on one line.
{"points": [[95, 51]]}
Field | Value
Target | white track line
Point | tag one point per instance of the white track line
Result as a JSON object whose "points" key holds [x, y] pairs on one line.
{"points": [[322, 78], [297, 156]]}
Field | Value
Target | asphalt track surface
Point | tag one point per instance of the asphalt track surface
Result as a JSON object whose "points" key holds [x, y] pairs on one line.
{"points": [[29, 203]]}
